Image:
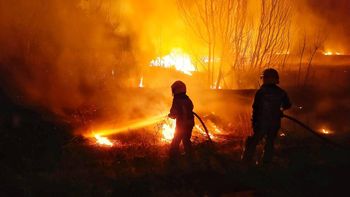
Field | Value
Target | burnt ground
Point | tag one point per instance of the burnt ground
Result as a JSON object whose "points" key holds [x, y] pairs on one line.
{"points": [[39, 158]]}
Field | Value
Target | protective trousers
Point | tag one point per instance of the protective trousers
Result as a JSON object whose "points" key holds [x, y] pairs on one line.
{"points": [[253, 141], [184, 135]]}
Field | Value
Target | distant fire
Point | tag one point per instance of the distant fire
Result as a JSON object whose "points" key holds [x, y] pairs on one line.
{"points": [[141, 83], [177, 59], [329, 53], [213, 87], [103, 140], [326, 131]]}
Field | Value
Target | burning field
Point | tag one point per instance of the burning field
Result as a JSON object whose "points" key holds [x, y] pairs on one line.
{"points": [[85, 96]]}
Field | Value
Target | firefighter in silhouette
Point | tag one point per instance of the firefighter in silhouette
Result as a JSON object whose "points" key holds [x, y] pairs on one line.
{"points": [[182, 111], [269, 102]]}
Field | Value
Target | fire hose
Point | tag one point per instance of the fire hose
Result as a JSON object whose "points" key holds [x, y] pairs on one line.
{"points": [[324, 139], [204, 126]]}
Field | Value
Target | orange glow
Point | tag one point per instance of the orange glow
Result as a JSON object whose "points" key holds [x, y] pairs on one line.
{"points": [[216, 129], [103, 140], [329, 53], [136, 124], [141, 83], [202, 132], [326, 131], [177, 59], [213, 87], [283, 53], [168, 130], [337, 53]]}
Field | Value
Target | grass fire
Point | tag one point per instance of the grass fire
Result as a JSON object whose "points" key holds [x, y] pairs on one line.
{"points": [[174, 97]]}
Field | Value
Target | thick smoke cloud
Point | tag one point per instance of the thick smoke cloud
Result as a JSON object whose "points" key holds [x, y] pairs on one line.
{"points": [[59, 53], [331, 17]]}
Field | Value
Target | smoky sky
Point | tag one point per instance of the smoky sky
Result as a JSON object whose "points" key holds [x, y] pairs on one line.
{"points": [[335, 15]]}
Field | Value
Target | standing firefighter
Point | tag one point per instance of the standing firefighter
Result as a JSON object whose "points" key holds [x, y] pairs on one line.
{"points": [[182, 111], [269, 103]]}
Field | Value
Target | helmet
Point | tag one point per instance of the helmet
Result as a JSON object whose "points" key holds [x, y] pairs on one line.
{"points": [[270, 76], [178, 87]]}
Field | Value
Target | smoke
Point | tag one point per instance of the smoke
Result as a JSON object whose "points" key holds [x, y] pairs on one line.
{"points": [[80, 57], [59, 54], [328, 16]]}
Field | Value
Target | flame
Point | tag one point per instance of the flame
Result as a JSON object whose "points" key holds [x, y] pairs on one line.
{"points": [[213, 87], [202, 132], [338, 53], [141, 83], [103, 140], [216, 129], [329, 53], [178, 59], [326, 131], [168, 130]]}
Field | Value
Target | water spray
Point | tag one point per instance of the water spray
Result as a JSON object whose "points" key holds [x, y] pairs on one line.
{"points": [[136, 124], [140, 124]]}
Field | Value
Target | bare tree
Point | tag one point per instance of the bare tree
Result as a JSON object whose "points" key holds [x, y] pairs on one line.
{"points": [[318, 40], [233, 38], [272, 32], [302, 51], [221, 25]]}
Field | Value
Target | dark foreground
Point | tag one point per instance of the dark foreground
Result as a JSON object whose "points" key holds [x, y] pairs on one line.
{"points": [[39, 158], [142, 170]]}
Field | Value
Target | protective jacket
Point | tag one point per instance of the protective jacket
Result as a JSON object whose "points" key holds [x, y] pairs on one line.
{"points": [[268, 104], [182, 111]]}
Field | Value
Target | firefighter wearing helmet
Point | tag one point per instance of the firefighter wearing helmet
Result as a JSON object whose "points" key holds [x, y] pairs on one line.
{"points": [[182, 111], [269, 102]]}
